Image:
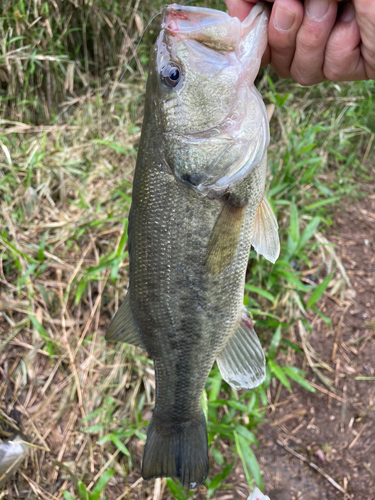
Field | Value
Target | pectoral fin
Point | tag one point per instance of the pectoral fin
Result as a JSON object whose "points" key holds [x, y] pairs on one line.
{"points": [[265, 237], [123, 327], [224, 238], [241, 362]]}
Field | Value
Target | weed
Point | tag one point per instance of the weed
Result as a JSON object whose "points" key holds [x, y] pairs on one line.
{"points": [[65, 193]]}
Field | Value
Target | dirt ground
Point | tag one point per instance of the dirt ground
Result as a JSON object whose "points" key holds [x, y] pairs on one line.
{"points": [[334, 429], [322, 446], [319, 446]]}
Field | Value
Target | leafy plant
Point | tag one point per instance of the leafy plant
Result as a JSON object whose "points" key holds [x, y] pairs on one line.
{"points": [[96, 492]]}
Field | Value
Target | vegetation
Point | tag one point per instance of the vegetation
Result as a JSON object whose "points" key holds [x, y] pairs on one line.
{"points": [[69, 131]]}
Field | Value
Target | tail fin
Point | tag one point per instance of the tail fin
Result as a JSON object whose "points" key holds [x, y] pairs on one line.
{"points": [[177, 450]]}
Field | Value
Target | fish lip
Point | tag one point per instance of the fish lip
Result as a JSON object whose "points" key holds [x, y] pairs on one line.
{"points": [[202, 190], [202, 24], [211, 188], [225, 141], [183, 11]]}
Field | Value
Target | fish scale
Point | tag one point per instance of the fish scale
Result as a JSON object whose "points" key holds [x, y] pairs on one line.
{"points": [[190, 235], [169, 330]]}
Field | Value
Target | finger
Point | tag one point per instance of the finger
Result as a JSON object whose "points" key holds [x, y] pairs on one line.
{"points": [[343, 60], [318, 21], [365, 13], [239, 8], [285, 21]]}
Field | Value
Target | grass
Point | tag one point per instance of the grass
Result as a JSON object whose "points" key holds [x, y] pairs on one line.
{"points": [[65, 190]]}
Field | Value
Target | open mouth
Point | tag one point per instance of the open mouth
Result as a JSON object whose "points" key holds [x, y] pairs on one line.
{"points": [[213, 28]]}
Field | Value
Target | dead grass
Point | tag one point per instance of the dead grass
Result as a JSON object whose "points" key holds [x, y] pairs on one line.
{"points": [[65, 194], [58, 51], [65, 190], [332, 431]]}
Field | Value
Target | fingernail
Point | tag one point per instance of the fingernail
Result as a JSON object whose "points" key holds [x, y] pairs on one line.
{"points": [[348, 13], [317, 9], [284, 19]]}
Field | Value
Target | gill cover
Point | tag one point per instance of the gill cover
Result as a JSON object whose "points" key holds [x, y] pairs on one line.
{"points": [[213, 120]]}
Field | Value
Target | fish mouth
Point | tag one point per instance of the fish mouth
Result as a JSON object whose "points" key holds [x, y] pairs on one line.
{"points": [[212, 27], [185, 19], [213, 160]]}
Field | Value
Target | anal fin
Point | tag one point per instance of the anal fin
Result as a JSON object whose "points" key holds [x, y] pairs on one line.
{"points": [[225, 236], [123, 327], [265, 237], [241, 362]]}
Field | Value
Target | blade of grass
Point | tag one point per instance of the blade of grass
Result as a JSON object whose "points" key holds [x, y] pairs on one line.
{"points": [[319, 290]]}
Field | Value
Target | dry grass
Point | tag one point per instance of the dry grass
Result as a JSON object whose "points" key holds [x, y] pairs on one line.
{"points": [[65, 193], [60, 51], [65, 190], [64, 217], [57, 52]]}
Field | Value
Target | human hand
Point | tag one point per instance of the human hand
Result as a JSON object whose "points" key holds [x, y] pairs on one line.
{"points": [[318, 40]]}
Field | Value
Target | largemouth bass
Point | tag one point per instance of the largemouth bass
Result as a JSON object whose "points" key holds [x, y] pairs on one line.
{"points": [[198, 205]]}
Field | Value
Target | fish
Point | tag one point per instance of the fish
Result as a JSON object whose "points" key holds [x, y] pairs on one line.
{"points": [[198, 205]]}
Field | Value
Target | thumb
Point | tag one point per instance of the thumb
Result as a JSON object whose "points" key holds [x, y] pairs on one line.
{"points": [[240, 8], [365, 15]]}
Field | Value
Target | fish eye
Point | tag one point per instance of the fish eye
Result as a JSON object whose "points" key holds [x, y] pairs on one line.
{"points": [[171, 74]]}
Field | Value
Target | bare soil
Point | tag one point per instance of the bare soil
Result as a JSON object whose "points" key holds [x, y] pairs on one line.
{"points": [[334, 428]]}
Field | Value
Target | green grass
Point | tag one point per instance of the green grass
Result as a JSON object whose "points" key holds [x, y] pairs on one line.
{"points": [[65, 193]]}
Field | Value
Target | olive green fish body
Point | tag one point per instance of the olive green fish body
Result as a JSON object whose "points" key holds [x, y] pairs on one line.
{"points": [[197, 207], [183, 313]]}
